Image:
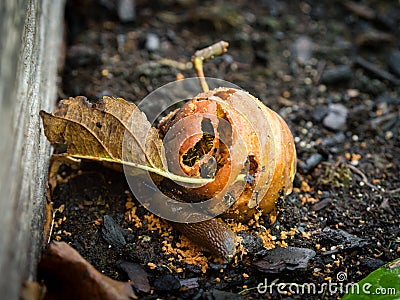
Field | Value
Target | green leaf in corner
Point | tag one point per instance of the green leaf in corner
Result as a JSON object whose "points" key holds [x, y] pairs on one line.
{"points": [[381, 284]]}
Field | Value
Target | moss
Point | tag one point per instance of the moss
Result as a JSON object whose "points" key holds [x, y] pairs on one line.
{"points": [[338, 176]]}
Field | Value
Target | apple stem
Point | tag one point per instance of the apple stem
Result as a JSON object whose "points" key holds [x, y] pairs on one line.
{"points": [[199, 56]]}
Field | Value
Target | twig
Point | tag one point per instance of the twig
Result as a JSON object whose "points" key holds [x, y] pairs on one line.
{"points": [[320, 69], [363, 176], [200, 55], [360, 10], [175, 64], [394, 191], [244, 291], [374, 69], [194, 180]]}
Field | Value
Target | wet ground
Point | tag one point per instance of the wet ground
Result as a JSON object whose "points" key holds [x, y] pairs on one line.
{"points": [[331, 69]]}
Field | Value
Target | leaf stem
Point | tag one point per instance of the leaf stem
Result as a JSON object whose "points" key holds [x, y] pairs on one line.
{"points": [[199, 56], [160, 172]]}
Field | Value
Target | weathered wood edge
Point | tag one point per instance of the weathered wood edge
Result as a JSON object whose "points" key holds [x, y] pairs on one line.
{"points": [[31, 33]]}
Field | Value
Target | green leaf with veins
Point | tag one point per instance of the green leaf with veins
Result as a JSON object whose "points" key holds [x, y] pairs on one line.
{"points": [[381, 284]]}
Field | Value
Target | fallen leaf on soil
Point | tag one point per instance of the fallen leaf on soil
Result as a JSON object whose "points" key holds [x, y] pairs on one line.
{"points": [[112, 131], [98, 130], [385, 279], [67, 275], [279, 259], [136, 274]]}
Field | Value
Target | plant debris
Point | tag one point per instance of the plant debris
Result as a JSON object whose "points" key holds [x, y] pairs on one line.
{"points": [[137, 275], [279, 259], [69, 276]]}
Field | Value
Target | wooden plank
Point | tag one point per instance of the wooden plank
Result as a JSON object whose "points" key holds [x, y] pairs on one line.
{"points": [[31, 34]]}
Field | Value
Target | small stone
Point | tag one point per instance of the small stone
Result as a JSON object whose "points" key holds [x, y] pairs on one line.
{"points": [[126, 10], [152, 42], [217, 266], [112, 232], [279, 35], [336, 74], [388, 135], [343, 239], [333, 140], [320, 112], [371, 263], [190, 283], [251, 243], [307, 81], [302, 49], [312, 162], [322, 88], [336, 118], [352, 93]]}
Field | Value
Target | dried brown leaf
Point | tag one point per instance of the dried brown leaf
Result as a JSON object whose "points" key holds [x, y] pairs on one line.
{"points": [[67, 275], [102, 130], [112, 131], [140, 131], [137, 275]]}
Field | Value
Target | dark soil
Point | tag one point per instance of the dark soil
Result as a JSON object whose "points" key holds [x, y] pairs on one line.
{"points": [[353, 170]]}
